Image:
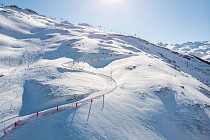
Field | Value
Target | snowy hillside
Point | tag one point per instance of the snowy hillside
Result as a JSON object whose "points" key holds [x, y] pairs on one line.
{"points": [[62, 81], [200, 48]]}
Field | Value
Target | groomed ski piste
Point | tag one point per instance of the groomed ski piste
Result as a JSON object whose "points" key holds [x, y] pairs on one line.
{"points": [[75, 66], [66, 81]]}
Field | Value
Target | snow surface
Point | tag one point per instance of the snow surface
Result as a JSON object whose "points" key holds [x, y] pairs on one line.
{"points": [[153, 92]]}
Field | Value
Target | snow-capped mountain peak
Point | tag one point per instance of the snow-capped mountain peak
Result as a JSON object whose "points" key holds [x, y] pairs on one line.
{"points": [[199, 48]]}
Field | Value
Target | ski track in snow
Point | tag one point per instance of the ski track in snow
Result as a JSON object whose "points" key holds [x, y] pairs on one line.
{"points": [[112, 85]]}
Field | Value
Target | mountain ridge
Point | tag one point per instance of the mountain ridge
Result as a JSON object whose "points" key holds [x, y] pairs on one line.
{"points": [[199, 49]]}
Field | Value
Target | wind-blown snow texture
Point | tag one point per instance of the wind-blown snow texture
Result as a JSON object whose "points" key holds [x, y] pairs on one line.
{"points": [[160, 94]]}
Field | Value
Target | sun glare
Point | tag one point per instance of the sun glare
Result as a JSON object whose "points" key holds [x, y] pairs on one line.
{"points": [[112, 2]]}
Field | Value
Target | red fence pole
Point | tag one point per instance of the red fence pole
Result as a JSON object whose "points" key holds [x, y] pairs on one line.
{"points": [[91, 100], [57, 108], [76, 105], [5, 132], [15, 124], [37, 114]]}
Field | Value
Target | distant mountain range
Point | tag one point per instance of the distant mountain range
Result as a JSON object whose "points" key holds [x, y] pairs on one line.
{"points": [[199, 48]]}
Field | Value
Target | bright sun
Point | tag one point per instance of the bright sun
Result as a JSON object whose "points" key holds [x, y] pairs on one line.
{"points": [[112, 2]]}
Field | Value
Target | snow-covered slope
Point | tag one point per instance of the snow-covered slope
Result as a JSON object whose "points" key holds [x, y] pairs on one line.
{"points": [[150, 91], [199, 48]]}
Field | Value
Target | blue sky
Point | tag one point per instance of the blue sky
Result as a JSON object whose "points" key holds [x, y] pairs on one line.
{"points": [[169, 21]]}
